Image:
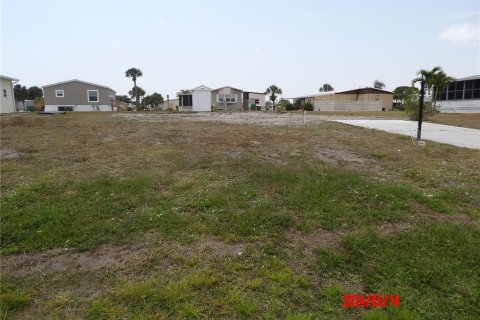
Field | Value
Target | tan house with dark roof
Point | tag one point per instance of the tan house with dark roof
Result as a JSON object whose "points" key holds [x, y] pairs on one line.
{"points": [[362, 99], [77, 95]]}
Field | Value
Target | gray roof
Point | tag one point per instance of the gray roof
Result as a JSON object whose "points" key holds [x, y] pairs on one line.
{"points": [[476, 77], [76, 80], [227, 87], [202, 87]]}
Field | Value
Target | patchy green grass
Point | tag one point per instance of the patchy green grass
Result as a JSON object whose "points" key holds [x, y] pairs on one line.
{"points": [[125, 219]]}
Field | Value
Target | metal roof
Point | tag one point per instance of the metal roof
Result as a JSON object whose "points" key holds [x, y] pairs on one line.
{"points": [[476, 77], [76, 80]]}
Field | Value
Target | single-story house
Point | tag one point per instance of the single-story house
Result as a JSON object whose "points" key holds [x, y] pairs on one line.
{"points": [[199, 99], [77, 95], [362, 99], [8, 98], [460, 96], [203, 98], [230, 98]]}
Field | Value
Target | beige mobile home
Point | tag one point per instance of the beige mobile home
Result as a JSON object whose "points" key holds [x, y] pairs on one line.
{"points": [[363, 99]]}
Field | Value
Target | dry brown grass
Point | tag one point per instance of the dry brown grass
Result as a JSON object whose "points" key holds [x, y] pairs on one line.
{"points": [[467, 120], [362, 114]]}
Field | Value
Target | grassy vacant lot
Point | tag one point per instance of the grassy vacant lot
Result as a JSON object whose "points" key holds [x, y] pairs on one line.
{"points": [[109, 218]]}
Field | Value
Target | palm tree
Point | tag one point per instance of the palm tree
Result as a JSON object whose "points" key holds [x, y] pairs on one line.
{"points": [[136, 93], [326, 87], [134, 74], [273, 92], [439, 82], [429, 77], [377, 84]]}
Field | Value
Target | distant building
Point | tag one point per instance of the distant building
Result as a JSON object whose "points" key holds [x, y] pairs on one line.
{"points": [[7, 103], [170, 104], [362, 99], [460, 96], [77, 95], [237, 99], [203, 98]]}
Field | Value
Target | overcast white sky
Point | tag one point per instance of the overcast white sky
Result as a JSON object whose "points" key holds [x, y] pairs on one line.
{"points": [[179, 44]]}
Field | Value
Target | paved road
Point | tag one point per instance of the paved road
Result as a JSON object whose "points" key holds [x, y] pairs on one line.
{"points": [[457, 136]]}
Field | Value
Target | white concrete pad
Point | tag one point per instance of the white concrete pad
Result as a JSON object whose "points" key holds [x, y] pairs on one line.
{"points": [[457, 136]]}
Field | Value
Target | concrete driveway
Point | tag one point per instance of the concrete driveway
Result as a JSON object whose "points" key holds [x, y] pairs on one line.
{"points": [[457, 136]]}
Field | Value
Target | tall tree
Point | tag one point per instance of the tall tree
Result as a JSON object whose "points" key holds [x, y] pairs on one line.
{"points": [[405, 93], [153, 100], [326, 88], [136, 93], [34, 92], [134, 74], [20, 93], [377, 84], [124, 98], [273, 91]]}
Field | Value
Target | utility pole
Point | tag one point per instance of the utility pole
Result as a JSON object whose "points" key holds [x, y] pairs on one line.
{"points": [[420, 110]]}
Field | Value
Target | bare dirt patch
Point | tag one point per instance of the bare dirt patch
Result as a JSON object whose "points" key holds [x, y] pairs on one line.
{"points": [[10, 153], [115, 257], [459, 218], [342, 157], [318, 238], [392, 228], [64, 260], [219, 249]]}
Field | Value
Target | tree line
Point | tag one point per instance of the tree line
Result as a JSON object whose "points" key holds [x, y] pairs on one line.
{"points": [[142, 100], [22, 93]]}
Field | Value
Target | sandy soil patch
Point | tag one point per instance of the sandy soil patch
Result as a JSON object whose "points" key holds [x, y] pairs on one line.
{"points": [[9, 153], [257, 118], [341, 157], [115, 257], [318, 238]]}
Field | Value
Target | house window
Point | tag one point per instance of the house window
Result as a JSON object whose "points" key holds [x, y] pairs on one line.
{"points": [[59, 93], [92, 95], [4, 92], [230, 98], [257, 101], [376, 98], [65, 108]]}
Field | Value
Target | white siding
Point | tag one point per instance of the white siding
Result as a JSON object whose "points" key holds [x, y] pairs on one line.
{"points": [[54, 108], [459, 106], [201, 99], [7, 104]]}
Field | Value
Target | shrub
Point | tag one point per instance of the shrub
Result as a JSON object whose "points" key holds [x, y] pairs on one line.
{"points": [[412, 108], [308, 106]]}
